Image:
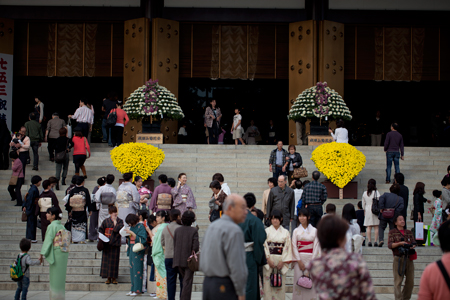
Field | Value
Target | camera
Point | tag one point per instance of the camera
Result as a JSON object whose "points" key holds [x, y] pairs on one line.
{"points": [[405, 250]]}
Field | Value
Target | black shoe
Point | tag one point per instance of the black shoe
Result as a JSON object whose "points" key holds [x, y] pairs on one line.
{"points": [[13, 199], [85, 177], [57, 186], [381, 244], [63, 181], [376, 244], [369, 244], [364, 243], [35, 169]]}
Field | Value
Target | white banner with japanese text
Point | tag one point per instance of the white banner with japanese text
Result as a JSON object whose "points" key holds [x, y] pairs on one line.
{"points": [[6, 83]]}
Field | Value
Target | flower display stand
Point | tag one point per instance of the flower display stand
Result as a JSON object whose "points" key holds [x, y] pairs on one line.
{"points": [[350, 191]]}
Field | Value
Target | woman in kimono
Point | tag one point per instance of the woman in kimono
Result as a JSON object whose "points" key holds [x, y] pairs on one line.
{"points": [[162, 218], [56, 253], [437, 218], [95, 210], [111, 253], [137, 235], [277, 248], [46, 200], [305, 247], [79, 198], [105, 196], [144, 192], [128, 198], [183, 198]]}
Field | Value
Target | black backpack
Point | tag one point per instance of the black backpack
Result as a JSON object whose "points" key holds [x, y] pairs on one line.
{"points": [[112, 119]]}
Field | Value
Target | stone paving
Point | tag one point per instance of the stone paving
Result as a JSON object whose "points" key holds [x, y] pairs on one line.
{"points": [[4, 295]]}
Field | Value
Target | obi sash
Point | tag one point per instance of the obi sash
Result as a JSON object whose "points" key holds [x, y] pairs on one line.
{"points": [[276, 248], [108, 232], [77, 202], [305, 247]]}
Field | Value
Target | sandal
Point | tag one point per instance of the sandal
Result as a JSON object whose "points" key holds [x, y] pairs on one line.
{"points": [[114, 281], [381, 244], [108, 281]]}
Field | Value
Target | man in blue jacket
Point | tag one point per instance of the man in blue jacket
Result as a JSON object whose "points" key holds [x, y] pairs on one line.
{"points": [[29, 207]]}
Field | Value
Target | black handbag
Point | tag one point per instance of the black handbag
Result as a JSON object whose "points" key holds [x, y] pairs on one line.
{"points": [[112, 119], [375, 204], [276, 279], [68, 224], [61, 157]]}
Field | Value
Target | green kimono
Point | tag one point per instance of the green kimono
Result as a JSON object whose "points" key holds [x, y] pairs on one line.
{"points": [[57, 260], [159, 261], [137, 258], [255, 233]]}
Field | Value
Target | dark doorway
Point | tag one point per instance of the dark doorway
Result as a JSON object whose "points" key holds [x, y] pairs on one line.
{"points": [[259, 100], [62, 95]]}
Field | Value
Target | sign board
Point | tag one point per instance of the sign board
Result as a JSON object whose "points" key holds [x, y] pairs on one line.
{"points": [[6, 82], [317, 140], [150, 138]]}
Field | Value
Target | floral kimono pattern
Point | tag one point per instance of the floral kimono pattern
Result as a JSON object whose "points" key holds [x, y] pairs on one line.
{"points": [[437, 218]]}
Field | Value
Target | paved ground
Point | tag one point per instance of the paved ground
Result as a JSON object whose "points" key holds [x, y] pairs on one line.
{"points": [[4, 295]]}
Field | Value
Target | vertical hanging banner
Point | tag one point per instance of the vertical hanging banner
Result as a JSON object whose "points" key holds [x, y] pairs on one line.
{"points": [[6, 82]]}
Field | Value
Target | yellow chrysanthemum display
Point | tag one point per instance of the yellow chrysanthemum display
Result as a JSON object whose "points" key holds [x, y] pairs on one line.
{"points": [[140, 158], [340, 162]]}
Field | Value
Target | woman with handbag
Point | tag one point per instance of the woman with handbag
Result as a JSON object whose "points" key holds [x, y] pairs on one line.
{"points": [[81, 151], [162, 218], [47, 199], [136, 251], [419, 201], [295, 161], [185, 244], [305, 247], [17, 178], [277, 248], [337, 274], [63, 145], [111, 250], [370, 220]]}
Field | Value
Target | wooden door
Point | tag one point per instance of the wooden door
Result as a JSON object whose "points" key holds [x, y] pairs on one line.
{"points": [[302, 64], [136, 65], [165, 65]]}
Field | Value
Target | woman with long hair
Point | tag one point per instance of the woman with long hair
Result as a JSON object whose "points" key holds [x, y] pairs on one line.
{"points": [[162, 218], [183, 198], [305, 247], [111, 227], [419, 201], [56, 253], [136, 235], [370, 220]]}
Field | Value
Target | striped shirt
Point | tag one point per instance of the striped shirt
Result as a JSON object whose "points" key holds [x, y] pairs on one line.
{"points": [[84, 115]]}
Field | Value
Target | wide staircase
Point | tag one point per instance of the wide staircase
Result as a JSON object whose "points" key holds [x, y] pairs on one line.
{"points": [[245, 169]]}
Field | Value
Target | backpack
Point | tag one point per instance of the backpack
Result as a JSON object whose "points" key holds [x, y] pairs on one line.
{"points": [[112, 119], [15, 269]]}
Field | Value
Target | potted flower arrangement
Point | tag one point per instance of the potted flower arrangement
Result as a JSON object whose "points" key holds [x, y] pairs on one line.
{"points": [[140, 158], [152, 103], [322, 103], [340, 163]]}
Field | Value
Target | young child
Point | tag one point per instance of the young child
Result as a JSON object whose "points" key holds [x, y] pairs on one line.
{"points": [[330, 209], [236, 128], [437, 218], [22, 286], [221, 135], [360, 218]]}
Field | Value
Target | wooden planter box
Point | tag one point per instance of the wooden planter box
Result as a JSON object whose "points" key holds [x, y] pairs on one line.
{"points": [[350, 190], [149, 183]]}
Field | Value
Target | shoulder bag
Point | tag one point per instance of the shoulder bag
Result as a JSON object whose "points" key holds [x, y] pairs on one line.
{"points": [[60, 157], [300, 172], [112, 119], [375, 202], [444, 272], [388, 213], [24, 217], [13, 180], [275, 279], [138, 247], [85, 148], [194, 261]]}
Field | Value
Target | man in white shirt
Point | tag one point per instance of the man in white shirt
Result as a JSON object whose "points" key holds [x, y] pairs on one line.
{"points": [[84, 117]]}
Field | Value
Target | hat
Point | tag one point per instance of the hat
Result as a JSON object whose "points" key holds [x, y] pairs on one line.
{"points": [[77, 129]]}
